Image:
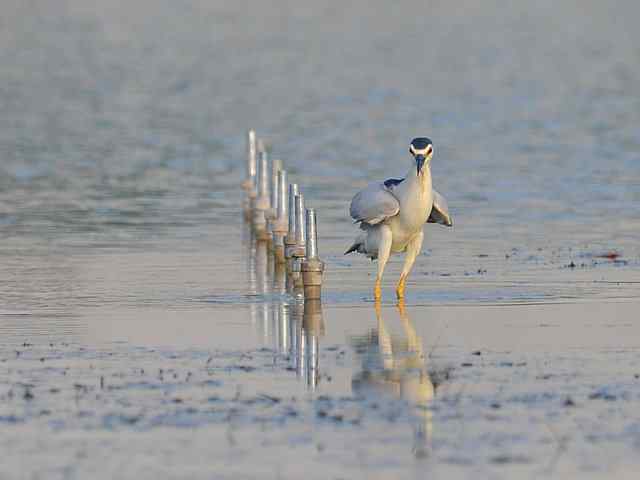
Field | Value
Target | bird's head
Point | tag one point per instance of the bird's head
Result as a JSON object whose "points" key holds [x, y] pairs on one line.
{"points": [[422, 150]]}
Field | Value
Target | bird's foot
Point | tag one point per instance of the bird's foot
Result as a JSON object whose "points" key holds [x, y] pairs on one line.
{"points": [[377, 291], [400, 289]]}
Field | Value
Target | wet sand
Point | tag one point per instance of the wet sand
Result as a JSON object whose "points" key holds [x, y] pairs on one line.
{"points": [[264, 386], [498, 391]]}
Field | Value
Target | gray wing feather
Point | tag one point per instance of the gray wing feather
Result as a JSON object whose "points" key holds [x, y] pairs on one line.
{"points": [[374, 204], [440, 211]]}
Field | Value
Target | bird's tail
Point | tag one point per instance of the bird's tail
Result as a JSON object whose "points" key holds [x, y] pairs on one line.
{"points": [[358, 245], [353, 248]]}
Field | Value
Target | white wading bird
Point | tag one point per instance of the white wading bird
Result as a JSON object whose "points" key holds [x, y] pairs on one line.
{"points": [[392, 214]]}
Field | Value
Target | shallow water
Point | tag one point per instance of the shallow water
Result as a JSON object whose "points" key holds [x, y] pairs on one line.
{"points": [[124, 253]]}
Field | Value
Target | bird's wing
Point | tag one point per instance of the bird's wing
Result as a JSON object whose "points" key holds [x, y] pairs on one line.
{"points": [[373, 204], [440, 211]]}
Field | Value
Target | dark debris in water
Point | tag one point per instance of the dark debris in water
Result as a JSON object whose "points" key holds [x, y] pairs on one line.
{"points": [[242, 368], [603, 395], [28, 394], [440, 376], [611, 255], [510, 459]]}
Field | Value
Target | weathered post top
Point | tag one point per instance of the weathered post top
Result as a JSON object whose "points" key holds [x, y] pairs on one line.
{"points": [[300, 221]]}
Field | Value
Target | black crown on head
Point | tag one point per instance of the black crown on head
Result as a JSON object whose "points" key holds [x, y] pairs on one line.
{"points": [[421, 143]]}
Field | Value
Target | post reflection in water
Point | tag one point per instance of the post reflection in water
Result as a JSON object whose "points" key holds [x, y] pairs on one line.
{"points": [[301, 327], [258, 273], [249, 245], [395, 367], [288, 324], [312, 329], [278, 315], [262, 274]]}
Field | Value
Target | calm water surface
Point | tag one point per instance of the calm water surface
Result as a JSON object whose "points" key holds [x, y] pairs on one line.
{"points": [[123, 250]]}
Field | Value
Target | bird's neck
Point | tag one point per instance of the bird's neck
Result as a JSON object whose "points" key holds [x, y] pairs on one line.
{"points": [[420, 180], [415, 198]]}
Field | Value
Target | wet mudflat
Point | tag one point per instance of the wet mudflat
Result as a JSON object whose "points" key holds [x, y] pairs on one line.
{"points": [[262, 385], [143, 334]]}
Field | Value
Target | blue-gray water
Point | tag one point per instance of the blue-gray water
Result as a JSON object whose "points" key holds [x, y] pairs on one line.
{"points": [[122, 126], [122, 149]]}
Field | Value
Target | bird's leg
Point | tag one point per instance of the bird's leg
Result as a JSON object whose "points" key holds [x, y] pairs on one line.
{"points": [[377, 291], [413, 249], [384, 250]]}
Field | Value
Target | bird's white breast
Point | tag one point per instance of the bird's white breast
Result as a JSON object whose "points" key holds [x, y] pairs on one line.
{"points": [[416, 201]]}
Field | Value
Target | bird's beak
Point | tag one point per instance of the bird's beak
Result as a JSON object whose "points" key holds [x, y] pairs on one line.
{"points": [[419, 162]]}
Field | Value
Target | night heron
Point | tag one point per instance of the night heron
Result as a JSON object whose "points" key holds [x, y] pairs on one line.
{"points": [[392, 214]]}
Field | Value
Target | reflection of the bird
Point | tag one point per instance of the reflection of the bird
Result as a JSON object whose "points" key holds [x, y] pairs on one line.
{"points": [[395, 367]]}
